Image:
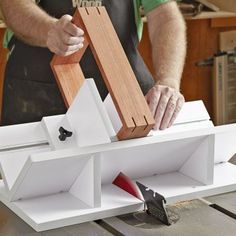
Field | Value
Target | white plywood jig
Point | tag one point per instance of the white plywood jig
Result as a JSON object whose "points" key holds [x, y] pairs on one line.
{"points": [[85, 118], [51, 183]]}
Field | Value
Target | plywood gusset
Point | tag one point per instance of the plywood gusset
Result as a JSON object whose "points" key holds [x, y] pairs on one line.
{"points": [[115, 68]]}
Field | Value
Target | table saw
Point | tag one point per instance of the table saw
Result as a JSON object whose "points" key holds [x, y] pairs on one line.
{"points": [[60, 171]]}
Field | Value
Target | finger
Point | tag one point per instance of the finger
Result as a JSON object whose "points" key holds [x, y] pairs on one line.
{"points": [[66, 18], [147, 97], [69, 27], [65, 50], [70, 40], [53, 45], [73, 30], [160, 111], [178, 108], [170, 109], [154, 100], [53, 49], [69, 53]]}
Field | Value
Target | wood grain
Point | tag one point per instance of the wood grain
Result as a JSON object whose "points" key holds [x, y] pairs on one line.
{"points": [[223, 22], [115, 69], [67, 70], [70, 79]]}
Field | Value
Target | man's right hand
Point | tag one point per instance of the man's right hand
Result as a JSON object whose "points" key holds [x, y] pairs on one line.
{"points": [[64, 37]]}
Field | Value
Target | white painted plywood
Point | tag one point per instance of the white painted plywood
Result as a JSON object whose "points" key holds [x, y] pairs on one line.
{"points": [[85, 118], [192, 112], [40, 178], [87, 183], [178, 187], [20, 135], [200, 165], [12, 163], [63, 209], [148, 160], [51, 125], [225, 142]]}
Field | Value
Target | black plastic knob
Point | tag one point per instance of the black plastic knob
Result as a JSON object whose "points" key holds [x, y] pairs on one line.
{"points": [[64, 134]]}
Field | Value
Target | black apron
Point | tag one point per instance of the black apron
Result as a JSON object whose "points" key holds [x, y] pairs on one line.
{"points": [[30, 90]]}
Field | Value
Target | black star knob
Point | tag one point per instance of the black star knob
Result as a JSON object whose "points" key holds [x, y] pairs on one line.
{"points": [[64, 134]]}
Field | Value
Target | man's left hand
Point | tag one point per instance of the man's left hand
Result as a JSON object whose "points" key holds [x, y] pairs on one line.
{"points": [[165, 103]]}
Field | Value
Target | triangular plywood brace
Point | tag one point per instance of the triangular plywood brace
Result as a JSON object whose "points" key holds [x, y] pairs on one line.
{"points": [[114, 66]]}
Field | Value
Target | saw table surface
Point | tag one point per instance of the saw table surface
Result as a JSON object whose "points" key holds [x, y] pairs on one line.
{"points": [[211, 216], [189, 218]]}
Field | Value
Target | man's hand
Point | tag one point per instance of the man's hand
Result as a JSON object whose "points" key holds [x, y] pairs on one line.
{"points": [[165, 103], [167, 31], [65, 38]]}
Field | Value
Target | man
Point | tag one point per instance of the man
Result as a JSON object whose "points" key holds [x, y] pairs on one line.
{"points": [[43, 28]]}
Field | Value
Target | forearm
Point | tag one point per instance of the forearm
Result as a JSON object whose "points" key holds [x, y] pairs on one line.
{"points": [[167, 33], [30, 23]]}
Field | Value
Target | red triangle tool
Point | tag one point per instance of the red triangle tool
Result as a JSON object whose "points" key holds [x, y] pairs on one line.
{"points": [[124, 182]]}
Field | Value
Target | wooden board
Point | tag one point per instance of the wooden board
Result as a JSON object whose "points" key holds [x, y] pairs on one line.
{"points": [[211, 15], [71, 80], [223, 22], [115, 68], [68, 72], [190, 218]]}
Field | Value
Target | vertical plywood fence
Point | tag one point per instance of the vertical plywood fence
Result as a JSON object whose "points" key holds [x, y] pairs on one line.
{"points": [[114, 66]]}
